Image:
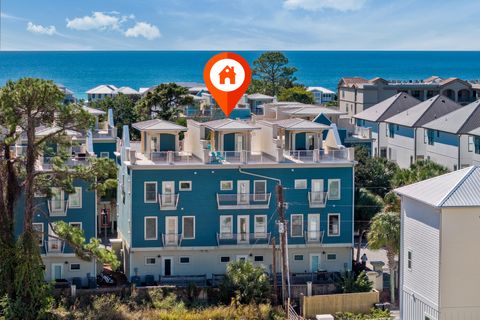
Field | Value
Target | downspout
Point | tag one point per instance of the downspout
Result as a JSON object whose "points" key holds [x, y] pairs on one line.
{"points": [[415, 145], [459, 152]]}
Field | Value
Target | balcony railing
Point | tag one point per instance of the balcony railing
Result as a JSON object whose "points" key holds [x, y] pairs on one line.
{"points": [[171, 239], [314, 236], [302, 155], [237, 157], [317, 199], [243, 238], [243, 201], [363, 132], [314, 156], [54, 246], [170, 157], [57, 208], [168, 201]]}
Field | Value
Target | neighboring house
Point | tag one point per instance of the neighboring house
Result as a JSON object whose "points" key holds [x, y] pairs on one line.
{"points": [[189, 207], [108, 90], [373, 119], [257, 100], [69, 97], [406, 136], [104, 134], [450, 139], [322, 95], [439, 245], [78, 209], [227, 73], [356, 94]]}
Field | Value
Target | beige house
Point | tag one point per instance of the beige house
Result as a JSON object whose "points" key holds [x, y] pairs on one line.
{"points": [[439, 256], [356, 94]]}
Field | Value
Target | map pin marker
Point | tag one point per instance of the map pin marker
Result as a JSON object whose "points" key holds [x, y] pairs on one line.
{"points": [[227, 76]]}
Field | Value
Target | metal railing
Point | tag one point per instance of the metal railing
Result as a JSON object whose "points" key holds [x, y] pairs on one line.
{"points": [[318, 155], [317, 199], [54, 246], [243, 201], [302, 155], [57, 207], [363, 132], [218, 157], [314, 236], [169, 157], [243, 238], [171, 239], [184, 281], [168, 201]]}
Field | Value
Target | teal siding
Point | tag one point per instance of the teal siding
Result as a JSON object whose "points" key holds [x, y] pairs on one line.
{"points": [[167, 142], [107, 146], [201, 202]]}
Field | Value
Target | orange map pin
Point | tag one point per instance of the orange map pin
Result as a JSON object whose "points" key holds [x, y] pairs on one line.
{"points": [[227, 76]]}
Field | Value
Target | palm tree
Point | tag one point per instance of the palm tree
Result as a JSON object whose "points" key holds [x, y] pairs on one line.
{"points": [[385, 233]]}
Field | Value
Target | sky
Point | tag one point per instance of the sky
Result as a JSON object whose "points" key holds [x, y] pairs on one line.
{"points": [[239, 25]]}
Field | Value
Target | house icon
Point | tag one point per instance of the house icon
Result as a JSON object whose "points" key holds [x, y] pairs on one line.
{"points": [[229, 73]]}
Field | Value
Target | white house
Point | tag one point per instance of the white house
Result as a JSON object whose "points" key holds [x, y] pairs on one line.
{"points": [[374, 119], [439, 258], [450, 141], [322, 95], [405, 133], [108, 90]]}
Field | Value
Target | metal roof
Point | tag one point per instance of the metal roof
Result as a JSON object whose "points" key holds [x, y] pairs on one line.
{"points": [[461, 120], [388, 108], [424, 112], [322, 89], [103, 89], [229, 125], [93, 111], [299, 124], [158, 125], [460, 188], [127, 90], [259, 96]]}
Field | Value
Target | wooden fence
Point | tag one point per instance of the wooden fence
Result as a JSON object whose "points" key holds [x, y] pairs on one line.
{"points": [[344, 302]]}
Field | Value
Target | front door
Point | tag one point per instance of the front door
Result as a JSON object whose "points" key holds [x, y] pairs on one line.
{"points": [[243, 192], [57, 271], [171, 230], [313, 227], [167, 266], [243, 228], [314, 262], [168, 193], [317, 190]]}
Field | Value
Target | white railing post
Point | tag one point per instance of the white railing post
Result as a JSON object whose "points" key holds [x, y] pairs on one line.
{"points": [[170, 157]]}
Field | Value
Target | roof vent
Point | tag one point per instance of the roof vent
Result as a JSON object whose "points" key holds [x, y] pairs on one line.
{"points": [[443, 100]]}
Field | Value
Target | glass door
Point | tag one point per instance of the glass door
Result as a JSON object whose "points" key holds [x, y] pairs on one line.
{"points": [[243, 192], [243, 228], [171, 227], [168, 193]]}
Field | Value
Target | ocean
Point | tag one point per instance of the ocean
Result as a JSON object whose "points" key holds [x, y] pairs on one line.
{"points": [[82, 70]]}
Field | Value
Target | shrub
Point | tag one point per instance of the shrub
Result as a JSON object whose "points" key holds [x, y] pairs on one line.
{"points": [[245, 283], [348, 283]]}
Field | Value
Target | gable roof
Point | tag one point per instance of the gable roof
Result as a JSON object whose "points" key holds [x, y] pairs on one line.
{"points": [[322, 89], [424, 112], [228, 124], [127, 90], [259, 96], [462, 120], [299, 124], [103, 89], [349, 81], [94, 111], [388, 108], [455, 189], [158, 125]]}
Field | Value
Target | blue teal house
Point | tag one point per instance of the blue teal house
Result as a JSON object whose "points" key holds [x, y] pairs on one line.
{"points": [[187, 207]]}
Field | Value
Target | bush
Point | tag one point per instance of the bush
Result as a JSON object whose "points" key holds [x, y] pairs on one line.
{"points": [[245, 283], [348, 283], [375, 314]]}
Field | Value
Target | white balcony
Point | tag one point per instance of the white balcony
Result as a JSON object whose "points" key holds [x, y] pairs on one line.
{"points": [[362, 132], [319, 156], [262, 238], [241, 157], [314, 236], [317, 199], [234, 201], [57, 208], [171, 239], [168, 201]]}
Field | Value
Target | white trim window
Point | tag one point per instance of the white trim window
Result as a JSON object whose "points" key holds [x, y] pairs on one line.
{"points": [[185, 185], [188, 227], [58, 200], [226, 185], [150, 191], [296, 225], [150, 228], [38, 230], [226, 227], [331, 256], [301, 184], [260, 190], [74, 267], [260, 227], [150, 261], [104, 154], [75, 199], [471, 144], [333, 224], [76, 225], [184, 260], [409, 259], [334, 189]]}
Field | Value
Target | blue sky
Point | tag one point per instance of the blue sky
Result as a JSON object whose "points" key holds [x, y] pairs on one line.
{"points": [[240, 25]]}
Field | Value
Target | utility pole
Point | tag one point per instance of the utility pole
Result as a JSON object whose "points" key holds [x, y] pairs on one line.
{"points": [[274, 271], [283, 241]]}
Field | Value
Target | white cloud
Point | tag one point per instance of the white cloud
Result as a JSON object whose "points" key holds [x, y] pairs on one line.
{"points": [[98, 20], [143, 29], [39, 29], [316, 5]]}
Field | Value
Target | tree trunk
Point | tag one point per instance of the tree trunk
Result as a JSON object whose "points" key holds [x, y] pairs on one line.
{"points": [[359, 245], [391, 266], [29, 177]]}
